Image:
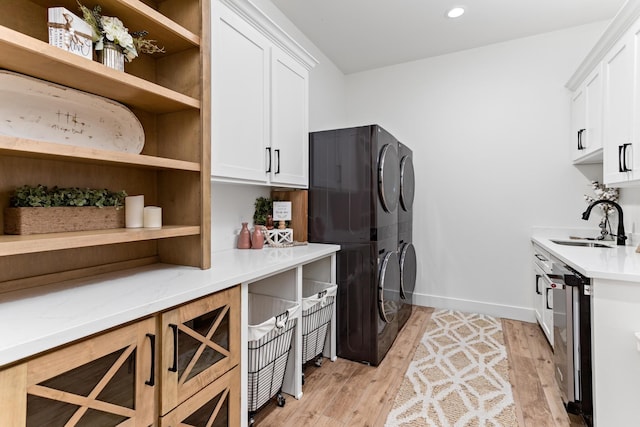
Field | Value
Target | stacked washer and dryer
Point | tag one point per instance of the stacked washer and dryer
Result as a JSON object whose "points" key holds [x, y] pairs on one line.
{"points": [[355, 196], [406, 250]]}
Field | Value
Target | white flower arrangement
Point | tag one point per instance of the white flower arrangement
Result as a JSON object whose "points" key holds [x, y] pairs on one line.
{"points": [[602, 192], [111, 29]]}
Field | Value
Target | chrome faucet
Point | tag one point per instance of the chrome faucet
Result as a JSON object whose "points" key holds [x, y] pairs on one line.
{"points": [[620, 236]]}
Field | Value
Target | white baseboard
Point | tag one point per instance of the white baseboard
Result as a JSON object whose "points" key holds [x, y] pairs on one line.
{"points": [[524, 314]]}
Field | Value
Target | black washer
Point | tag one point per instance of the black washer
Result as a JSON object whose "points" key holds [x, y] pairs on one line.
{"points": [[388, 178], [408, 269], [407, 183], [387, 283]]}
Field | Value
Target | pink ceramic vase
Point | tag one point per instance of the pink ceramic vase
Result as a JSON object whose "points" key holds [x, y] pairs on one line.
{"points": [[244, 238], [257, 238]]}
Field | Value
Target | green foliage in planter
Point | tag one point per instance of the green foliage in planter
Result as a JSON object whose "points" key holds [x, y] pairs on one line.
{"points": [[263, 207], [41, 196]]}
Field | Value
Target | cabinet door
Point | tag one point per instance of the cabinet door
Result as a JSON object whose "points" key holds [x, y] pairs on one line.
{"points": [[290, 123], [547, 313], [200, 342], [633, 152], [217, 405], [587, 117], [240, 98], [618, 73], [539, 297], [578, 123], [106, 380]]}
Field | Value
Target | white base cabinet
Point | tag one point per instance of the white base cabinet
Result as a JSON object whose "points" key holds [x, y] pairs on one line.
{"points": [[260, 99], [544, 306], [616, 360], [287, 285]]}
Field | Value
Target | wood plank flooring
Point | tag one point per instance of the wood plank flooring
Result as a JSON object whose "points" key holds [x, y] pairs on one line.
{"points": [[350, 394]]}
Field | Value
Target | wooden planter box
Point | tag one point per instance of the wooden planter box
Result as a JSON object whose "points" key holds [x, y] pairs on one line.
{"points": [[61, 219]]}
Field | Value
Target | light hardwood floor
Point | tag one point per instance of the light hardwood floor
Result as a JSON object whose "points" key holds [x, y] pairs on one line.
{"points": [[350, 394]]}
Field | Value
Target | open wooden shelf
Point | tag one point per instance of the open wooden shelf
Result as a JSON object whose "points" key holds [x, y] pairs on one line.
{"points": [[167, 33], [30, 56], [14, 146], [17, 245], [168, 93]]}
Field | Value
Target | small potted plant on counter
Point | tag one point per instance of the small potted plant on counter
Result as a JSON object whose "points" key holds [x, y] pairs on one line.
{"points": [[263, 210]]}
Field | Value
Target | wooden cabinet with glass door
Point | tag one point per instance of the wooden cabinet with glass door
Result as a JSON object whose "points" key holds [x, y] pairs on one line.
{"points": [[105, 380], [200, 343], [217, 405]]}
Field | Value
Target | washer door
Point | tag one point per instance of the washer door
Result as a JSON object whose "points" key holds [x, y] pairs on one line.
{"points": [[407, 183], [389, 178], [407, 271], [388, 287]]}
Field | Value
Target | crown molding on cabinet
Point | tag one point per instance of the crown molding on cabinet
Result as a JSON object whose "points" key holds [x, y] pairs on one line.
{"points": [[272, 31], [620, 23]]}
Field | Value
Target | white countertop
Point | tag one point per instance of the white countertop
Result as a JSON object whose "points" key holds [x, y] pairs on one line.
{"points": [[615, 263], [39, 319]]}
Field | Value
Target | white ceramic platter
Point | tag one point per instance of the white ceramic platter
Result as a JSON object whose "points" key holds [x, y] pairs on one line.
{"points": [[40, 110]]}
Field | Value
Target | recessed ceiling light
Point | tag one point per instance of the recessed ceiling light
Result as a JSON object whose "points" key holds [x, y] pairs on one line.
{"points": [[455, 12]]}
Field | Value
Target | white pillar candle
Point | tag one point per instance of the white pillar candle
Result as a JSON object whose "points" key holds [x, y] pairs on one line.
{"points": [[152, 217], [134, 211]]}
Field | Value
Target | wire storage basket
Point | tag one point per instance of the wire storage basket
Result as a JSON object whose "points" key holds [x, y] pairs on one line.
{"points": [[272, 322], [317, 310]]}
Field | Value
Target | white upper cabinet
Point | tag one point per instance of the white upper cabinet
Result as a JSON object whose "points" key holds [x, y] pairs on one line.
{"points": [[586, 120], [240, 98], [603, 107], [619, 77], [260, 99], [289, 121]]}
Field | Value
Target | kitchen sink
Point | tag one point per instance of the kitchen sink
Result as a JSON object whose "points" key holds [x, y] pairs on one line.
{"points": [[581, 243]]}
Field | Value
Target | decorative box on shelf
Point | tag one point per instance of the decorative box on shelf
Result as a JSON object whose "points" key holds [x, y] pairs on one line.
{"points": [[69, 32], [61, 219], [280, 237]]}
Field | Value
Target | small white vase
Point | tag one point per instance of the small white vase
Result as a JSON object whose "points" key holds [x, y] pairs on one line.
{"points": [[111, 55]]}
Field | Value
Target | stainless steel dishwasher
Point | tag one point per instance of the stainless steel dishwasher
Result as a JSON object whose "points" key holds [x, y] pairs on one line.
{"points": [[572, 340]]}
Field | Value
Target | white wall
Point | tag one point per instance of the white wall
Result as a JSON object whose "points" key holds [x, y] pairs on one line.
{"points": [[489, 128], [231, 205]]}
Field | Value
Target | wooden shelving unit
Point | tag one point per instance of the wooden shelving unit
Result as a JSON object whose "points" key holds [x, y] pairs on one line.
{"points": [[165, 92], [38, 59], [17, 245], [22, 147]]}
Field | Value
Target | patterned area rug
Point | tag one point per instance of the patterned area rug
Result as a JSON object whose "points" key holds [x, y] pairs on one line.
{"points": [[459, 376]]}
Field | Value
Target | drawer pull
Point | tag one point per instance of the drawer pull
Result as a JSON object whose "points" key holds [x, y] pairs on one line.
{"points": [[152, 376], [174, 367]]}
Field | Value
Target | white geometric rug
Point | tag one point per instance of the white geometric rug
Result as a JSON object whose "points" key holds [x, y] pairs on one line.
{"points": [[459, 376]]}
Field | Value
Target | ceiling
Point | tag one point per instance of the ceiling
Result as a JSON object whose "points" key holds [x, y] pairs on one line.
{"points": [[359, 35]]}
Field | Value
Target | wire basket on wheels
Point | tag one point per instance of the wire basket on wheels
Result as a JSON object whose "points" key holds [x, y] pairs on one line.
{"points": [[317, 309], [272, 322]]}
